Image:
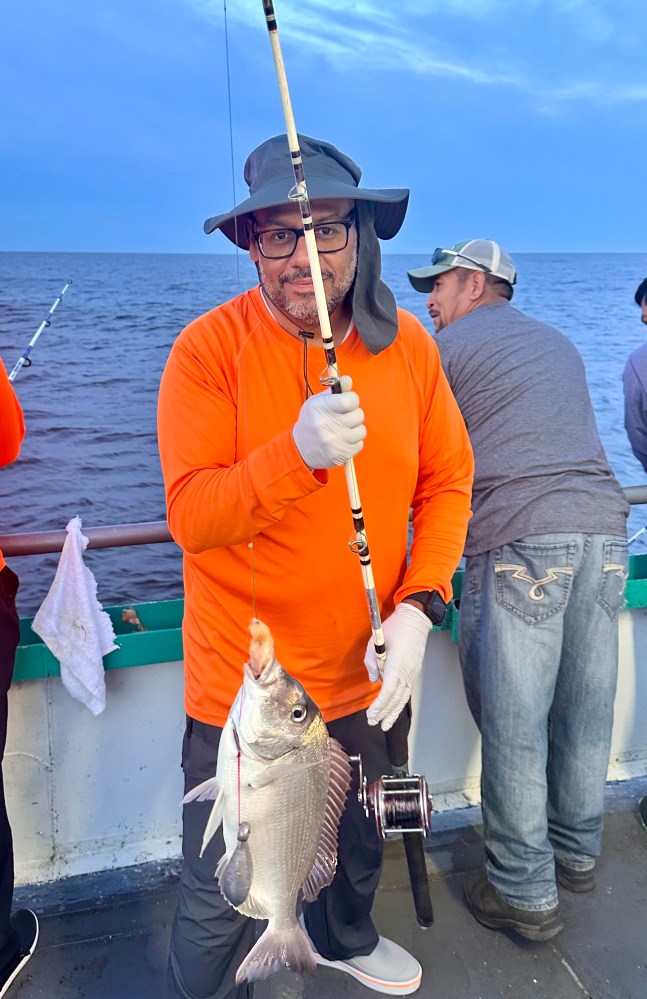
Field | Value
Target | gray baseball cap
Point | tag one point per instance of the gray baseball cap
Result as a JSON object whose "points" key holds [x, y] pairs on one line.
{"points": [[329, 173], [473, 254]]}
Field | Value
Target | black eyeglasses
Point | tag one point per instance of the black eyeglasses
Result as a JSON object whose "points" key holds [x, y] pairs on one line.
{"points": [[331, 237], [439, 253]]}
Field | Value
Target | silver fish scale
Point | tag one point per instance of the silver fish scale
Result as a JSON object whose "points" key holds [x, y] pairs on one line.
{"points": [[285, 817]]}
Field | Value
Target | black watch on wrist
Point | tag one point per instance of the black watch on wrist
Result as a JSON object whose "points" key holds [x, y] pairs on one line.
{"points": [[432, 603]]}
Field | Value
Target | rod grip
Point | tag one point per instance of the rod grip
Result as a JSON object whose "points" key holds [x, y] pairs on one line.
{"points": [[415, 854], [397, 740]]}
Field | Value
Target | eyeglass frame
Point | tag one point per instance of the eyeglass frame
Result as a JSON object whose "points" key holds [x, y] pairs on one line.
{"points": [[347, 223], [439, 253]]}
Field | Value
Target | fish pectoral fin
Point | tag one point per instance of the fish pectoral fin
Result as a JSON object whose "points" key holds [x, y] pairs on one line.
{"points": [[325, 864], [215, 818], [276, 949], [206, 791], [281, 768]]}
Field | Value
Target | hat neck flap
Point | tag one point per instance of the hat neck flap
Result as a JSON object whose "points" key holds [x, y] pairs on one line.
{"points": [[374, 309]]}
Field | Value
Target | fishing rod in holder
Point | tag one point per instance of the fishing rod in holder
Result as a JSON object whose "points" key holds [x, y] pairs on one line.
{"points": [[390, 798], [25, 360]]}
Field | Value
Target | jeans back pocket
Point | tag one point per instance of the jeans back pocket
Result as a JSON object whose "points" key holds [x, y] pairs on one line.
{"points": [[533, 580], [615, 563]]}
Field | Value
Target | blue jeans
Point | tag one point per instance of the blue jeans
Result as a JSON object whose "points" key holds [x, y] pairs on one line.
{"points": [[539, 653]]}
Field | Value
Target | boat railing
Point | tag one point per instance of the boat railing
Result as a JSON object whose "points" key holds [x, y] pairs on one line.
{"points": [[149, 532], [110, 536]]}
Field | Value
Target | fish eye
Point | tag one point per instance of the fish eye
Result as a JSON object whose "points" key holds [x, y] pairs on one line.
{"points": [[299, 712]]}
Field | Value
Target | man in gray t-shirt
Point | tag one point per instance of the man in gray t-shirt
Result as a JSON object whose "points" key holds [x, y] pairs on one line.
{"points": [[546, 564]]}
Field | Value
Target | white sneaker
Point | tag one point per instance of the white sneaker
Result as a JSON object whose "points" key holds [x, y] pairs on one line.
{"points": [[389, 969]]}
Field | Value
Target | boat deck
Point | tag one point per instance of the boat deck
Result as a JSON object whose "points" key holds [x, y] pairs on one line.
{"points": [[104, 936]]}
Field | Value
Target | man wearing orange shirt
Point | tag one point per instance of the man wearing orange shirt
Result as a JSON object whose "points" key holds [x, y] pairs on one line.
{"points": [[250, 452], [18, 932]]}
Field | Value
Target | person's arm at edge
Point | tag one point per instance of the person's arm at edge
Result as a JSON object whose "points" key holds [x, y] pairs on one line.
{"points": [[12, 424]]}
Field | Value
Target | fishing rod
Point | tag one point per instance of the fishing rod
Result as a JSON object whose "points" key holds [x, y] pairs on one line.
{"points": [[299, 193], [637, 534], [24, 360], [396, 737]]}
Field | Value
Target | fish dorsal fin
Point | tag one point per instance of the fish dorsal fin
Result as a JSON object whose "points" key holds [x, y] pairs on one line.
{"points": [[325, 865]]}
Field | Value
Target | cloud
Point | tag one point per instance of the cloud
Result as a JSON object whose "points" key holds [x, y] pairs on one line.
{"points": [[365, 32], [573, 44]]}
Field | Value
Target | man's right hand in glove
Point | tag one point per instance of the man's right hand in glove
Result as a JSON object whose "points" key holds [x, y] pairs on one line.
{"points": [[330, 428]]}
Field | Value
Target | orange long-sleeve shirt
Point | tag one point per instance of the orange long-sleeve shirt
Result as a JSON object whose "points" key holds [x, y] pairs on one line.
{"points": [[230, 394], [12, 425]]}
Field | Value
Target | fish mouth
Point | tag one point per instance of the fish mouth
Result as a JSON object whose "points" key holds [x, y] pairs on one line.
{"points": [[264, 677]]}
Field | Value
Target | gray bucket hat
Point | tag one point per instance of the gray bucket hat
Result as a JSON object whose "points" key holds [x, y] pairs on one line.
{"points": [[329, 174]]}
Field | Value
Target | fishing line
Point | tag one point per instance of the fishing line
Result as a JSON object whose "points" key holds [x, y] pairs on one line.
{"points": [[231, 141], [305, 336], [250, 543]]}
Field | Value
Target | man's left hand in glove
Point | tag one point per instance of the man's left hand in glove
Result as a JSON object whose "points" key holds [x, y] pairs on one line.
{"points": [[405, 637]]}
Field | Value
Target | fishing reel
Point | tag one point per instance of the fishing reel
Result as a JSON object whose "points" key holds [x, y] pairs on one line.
{"points": [[398, 803]]}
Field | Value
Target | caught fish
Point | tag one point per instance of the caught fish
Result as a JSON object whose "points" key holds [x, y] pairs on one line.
{"points": [[280, 790]]}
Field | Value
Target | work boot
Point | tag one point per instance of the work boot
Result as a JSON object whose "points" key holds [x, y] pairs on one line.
{"points": [[491, 909], [573, 878], [25, 924], [389, 969]]}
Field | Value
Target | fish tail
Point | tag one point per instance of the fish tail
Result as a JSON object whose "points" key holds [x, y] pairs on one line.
{"points": [[276, 949]]}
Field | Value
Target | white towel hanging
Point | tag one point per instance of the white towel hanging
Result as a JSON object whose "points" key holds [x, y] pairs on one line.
{"points": [[74, 626]]}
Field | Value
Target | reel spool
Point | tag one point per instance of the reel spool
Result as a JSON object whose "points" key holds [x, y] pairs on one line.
{"points": [[399, 803]]}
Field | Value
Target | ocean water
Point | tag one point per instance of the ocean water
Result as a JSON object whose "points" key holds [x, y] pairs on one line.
{"points": [[90, 396]]}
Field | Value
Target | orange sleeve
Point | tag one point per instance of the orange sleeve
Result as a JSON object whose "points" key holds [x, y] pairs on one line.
{"points": [[12, 425], [215, 495]]}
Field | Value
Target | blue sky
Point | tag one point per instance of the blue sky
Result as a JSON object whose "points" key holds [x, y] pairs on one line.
{"points": [[517, 120]]}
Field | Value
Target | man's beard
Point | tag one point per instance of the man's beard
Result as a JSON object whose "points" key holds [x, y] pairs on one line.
{"points": [[303, 310]]}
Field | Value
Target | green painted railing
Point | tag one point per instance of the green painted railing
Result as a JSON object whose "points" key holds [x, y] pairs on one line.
{"points": [[156, 635]]}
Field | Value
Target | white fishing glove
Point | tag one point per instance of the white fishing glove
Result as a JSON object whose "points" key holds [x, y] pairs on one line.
{"points": [[330, 428], [405, 638]]}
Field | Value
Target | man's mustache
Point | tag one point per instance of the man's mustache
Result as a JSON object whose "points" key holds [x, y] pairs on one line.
{"points": [[304, 272]]}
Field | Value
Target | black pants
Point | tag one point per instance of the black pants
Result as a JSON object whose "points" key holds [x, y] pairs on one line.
{"points": [[9, 636], [210, 939]]}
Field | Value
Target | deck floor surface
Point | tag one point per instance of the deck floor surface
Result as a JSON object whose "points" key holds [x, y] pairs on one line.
{"points": [[105, 936]]}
